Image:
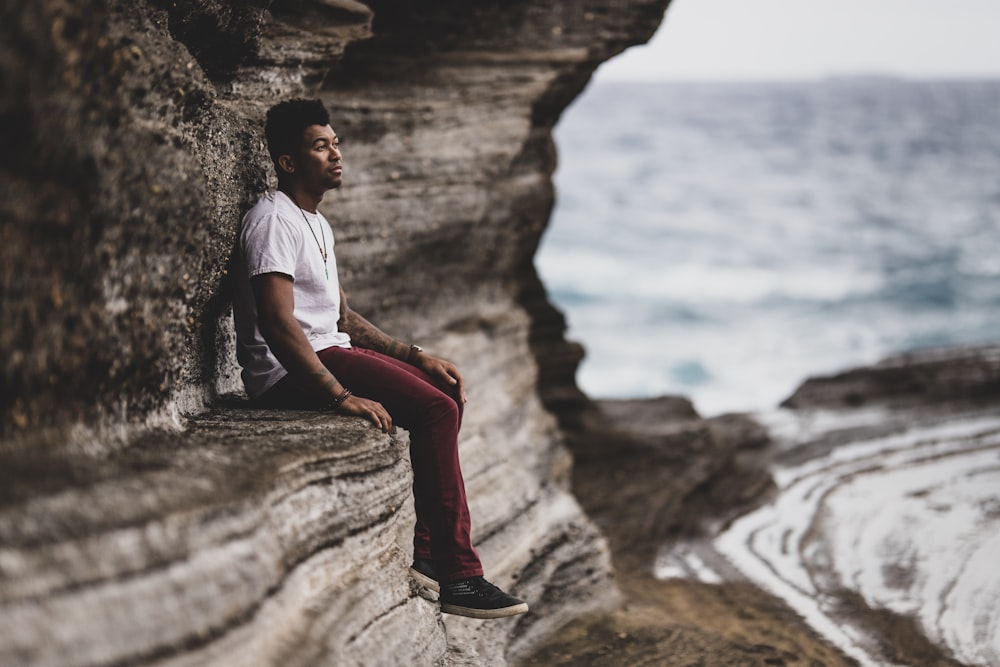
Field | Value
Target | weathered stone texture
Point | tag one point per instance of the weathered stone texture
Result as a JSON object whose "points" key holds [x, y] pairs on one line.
{"points": [[136, 529], [944, 376], [256, 539]]}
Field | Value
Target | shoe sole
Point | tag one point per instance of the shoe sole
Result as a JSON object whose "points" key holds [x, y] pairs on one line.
{"points": [[425, 581], [471, 612]]}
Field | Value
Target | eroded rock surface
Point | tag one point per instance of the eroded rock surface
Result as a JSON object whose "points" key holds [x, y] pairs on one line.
{"points": [[258, 538], [138, 530], [935, 376], [837, 532]]}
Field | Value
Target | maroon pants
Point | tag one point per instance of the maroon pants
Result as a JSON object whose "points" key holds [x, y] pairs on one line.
{"points": [[432, 412]]}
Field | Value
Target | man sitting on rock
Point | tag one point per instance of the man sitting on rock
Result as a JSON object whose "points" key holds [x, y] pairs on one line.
{"points": [[301, 346]]}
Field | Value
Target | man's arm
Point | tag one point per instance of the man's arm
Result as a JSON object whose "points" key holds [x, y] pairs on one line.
{"points": [[275, 317], [366, 334]]}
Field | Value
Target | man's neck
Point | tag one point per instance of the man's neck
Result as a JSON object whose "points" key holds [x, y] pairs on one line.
{"points": [[303, 199]]}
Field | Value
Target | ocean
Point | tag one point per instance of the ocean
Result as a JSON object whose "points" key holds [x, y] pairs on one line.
{"points": [[726, 241]]}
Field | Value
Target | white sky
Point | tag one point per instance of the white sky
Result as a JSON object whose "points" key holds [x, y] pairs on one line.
{"points": [[790, 39]]}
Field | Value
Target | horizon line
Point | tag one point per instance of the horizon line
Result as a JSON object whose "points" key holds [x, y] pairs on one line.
{"points": [[805, 78]]}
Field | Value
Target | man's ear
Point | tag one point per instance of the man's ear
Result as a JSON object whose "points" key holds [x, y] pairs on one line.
{"points": [[286, 163]]}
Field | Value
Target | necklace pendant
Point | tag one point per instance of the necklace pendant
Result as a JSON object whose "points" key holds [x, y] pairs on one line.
{"points": [[321, 246]]}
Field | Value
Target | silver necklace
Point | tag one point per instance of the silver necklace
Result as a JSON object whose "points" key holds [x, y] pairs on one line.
{"points": [[321, 246]]}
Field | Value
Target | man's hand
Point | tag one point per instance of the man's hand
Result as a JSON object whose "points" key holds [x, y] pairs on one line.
{"points": [[370, 410], [444, 370], [365, 334]]}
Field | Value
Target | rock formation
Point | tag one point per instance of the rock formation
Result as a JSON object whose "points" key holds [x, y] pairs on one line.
{"points": [[143, 523], [964, 376], [767, 549]]}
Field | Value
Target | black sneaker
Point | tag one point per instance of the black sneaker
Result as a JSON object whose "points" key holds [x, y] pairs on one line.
{"points": [[422, 571], [477, 598]]}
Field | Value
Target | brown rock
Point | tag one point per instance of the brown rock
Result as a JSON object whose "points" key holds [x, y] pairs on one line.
{"points": [[948, 376]]}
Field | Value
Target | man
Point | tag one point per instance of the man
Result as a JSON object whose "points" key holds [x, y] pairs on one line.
{"points": [[302, 346]]}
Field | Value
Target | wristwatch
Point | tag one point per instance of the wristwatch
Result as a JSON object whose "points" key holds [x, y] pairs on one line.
{"points": [[414, 350]]}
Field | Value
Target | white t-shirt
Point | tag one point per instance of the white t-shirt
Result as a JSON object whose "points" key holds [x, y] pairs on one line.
{"points": [[275, 237]]}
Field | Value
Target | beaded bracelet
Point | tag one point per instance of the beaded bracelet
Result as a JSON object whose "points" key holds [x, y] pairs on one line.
{"points": [[337, 400], [340, 399]]}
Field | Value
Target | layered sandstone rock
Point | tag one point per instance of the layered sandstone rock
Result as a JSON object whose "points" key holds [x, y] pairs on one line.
{"points": [[957, 376], [138, 530], [247, 541]]}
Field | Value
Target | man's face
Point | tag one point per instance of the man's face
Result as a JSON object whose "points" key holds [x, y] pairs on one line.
{"points": [[319, 166]]}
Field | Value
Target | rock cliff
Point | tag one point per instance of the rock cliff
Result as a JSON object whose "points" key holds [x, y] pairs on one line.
{"points": [[143, 523]]}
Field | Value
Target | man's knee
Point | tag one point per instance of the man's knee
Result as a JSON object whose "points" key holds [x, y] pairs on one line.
{"points": [[442, 408]]}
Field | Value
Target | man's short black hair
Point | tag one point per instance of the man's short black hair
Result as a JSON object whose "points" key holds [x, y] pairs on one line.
{"points": [[287, 122]]}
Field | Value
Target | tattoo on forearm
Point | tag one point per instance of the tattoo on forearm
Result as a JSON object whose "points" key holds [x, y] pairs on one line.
{"points": [[398, 350], [325, 379], [365, 334]]}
